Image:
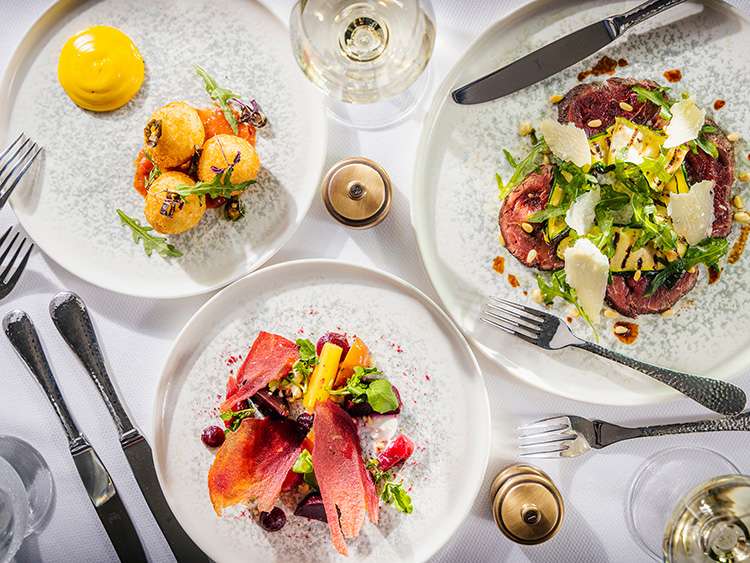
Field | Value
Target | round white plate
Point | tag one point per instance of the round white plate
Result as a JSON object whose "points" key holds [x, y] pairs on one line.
{"points": [[455, 203], [445, 411], [87, 173]]}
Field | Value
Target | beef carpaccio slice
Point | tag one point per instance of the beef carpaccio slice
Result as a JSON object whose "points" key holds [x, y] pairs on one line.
{"points": [[253, 463], [628, 296], [345, 484], [601, 101], [271, 357], [527, 198]]}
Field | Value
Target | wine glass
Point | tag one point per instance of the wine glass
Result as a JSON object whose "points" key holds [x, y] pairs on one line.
{"points": [[368, 56], [688, 504], [26, 494]]}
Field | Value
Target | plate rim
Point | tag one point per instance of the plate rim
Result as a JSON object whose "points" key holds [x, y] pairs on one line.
{"points": [[163, 382], [420, 223], [8, 79]]}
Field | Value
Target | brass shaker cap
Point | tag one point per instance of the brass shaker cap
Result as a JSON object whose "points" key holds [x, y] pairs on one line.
{"points": [[526, 504], [357, 192]]}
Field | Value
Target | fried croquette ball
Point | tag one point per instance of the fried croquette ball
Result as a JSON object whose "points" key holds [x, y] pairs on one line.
{"points": [[221, 151], [166, 211], [173, 133]]}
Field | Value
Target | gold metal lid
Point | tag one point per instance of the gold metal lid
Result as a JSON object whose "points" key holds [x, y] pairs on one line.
{"points": [[526, 504], [357, 192]]}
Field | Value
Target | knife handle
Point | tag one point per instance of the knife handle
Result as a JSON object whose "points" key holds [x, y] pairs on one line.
{"points": [[641, 13], [23, 336], [72, 320]]}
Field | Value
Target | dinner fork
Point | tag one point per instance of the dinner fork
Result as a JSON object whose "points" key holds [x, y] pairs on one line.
{"points": [[571, 436], [11, 273], [549, 332], [16, 163]]}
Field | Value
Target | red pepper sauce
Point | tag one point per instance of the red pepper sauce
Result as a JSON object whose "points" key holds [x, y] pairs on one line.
{"points": [[498, 264], [630, 333], [673, 75], [739, 246], [718, 104], [605, 65], [143, 167], [513, 280]]}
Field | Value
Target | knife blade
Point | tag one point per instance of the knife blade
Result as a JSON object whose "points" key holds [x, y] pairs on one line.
{"points": [[556, 56], [101, 489], [70, 316]]}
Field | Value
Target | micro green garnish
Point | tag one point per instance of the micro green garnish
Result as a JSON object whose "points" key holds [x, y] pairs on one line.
{"points": [[308, 359], [151, 242], [220, 186], [220, 95], [378, 392], [709, 252], [235, 418], [522, 169], [304, 466], [658, 96], [558, 287], [390, 491], [155, 171]]}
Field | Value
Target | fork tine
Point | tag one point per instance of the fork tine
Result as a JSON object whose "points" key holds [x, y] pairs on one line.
{"points": [[8, 268], [533, 322], [7, 193], [525, 444], [545, 454], [13, 156], [531, 330], [13, 144], [5, 236], [555, 421], [519, 334], [529, 310], [13, 280], [8, 249]]}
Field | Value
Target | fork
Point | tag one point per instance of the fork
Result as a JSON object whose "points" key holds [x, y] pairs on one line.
{"points": [[549, 332], [9, 276], [571, 436], [21, 160]]}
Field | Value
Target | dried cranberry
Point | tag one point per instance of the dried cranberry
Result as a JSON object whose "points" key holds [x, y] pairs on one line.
{"points": [[273, 521], [334, 338], [213, 436], [305, 422]]}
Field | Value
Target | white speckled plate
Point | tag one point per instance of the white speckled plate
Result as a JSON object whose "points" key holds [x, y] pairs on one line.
{"points": [[412, 341], [455, 204], [88, 169]]}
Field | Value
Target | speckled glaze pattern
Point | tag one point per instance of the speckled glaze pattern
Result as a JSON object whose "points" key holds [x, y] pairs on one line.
{"points": [[456, 203], [88, 167], [445, 408]]}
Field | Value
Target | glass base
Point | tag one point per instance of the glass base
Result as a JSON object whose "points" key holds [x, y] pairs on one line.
{"points": [[36, 478], [383, 114], [661, 483]]}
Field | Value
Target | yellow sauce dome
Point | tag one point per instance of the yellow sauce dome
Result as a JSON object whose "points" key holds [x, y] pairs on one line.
{"points": [[100, 68]]}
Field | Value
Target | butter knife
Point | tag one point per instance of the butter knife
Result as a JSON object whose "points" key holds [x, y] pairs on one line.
{"points": [[72, 320], [558, 55], [99, 486]]}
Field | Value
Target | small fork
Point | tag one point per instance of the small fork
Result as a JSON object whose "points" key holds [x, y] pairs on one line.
{"points": [[9, 276], [16, 164], [549, 332], [571, 436]]}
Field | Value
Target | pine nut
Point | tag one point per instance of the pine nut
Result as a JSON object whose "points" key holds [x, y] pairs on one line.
{"points": [[536, 295], [737, 201], [637, 275], [525, 129], [625, 106], [531, 256], [556, 99], [610, 314], [733, 137], [742, 217], [595, 123], [526, 227], [668, 313], [672, 255], [743, 176], [619, 329], [500, 239]]}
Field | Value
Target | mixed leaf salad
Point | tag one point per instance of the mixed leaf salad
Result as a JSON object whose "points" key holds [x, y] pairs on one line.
{"points": [[618, 202], [311, 425]]}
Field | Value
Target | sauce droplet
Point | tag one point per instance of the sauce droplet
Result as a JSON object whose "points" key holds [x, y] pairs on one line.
{"points": [[498, 264], [605, 65], [673, 75], [513, 280], [718, 104], [626, 331], [739, 246]]}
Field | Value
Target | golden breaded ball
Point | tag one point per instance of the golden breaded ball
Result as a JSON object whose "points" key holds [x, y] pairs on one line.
{"points": [[220, 151], [172, 134], [169, 213]]}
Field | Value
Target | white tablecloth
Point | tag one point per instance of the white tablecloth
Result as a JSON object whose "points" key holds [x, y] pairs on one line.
{"points": [[137, 333]]}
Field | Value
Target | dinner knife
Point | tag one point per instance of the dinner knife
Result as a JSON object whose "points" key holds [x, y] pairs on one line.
{"points": [[558, 55], [99, 486], [72, 320]]}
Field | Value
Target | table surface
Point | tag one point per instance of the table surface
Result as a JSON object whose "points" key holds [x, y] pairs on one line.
{"points": [[137, 333]]}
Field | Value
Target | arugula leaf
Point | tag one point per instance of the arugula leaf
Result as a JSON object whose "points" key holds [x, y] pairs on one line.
{"points": [[235, 418], [572, 181], [150, 242], [304, 466], [220, 186], [705, 145], [660, 232], [510, 159], [530, 163], [220, 95], [709, 251], [558, 287], [390, 492], [656, 96], [378, 392], [610, 203]]}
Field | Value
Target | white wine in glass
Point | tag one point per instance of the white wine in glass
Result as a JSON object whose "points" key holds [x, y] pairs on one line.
{"points": [[368, 56], [712, 523]]}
